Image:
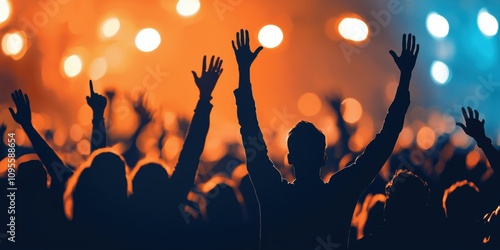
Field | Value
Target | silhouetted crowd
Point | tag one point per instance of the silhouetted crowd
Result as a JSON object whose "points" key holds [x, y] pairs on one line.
{"points": [[128, 201]]}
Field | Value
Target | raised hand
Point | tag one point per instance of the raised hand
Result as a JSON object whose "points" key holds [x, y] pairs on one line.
{"points": [[406, 61], [141, 109], [208, 79], [96, 101], [473, 126], [110, 94], [244, 56], [23, 115], [335, 103]]}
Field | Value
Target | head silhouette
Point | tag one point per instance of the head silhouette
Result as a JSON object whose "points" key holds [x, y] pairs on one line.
{"points": [[462, 202], [150, 179], [306, 149], [407, 199], [31, 175]]}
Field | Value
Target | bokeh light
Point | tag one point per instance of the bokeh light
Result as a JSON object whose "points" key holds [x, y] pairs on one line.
{"points": [[440, 72], [353, 29], [147, 40], [309, 104], [487, 23], [270, 36], [351, 110], [472, 159], [98, 68], [188, 7], [426, 138], [72, 65], [76, 132], [14, 44], [110, 27], [437, 25], [5, 10], [406, 136]]}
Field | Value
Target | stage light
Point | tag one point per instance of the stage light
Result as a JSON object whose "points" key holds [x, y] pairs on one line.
{"points": [[353, 29], [440, 72], [147, 40], [270, 36], [426, 138], [188, 7], [437, 25], [5, 10], [14, 44], [110, 27], [309, 104], [487, 23], [98, 68], [72, 66], [351, 110]]}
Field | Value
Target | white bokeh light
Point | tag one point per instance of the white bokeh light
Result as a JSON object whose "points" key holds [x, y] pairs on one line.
{"points": [[110, 27], [147, 40], [437, 25], [270, 36], [5, 10], [487, 23], [188, 7], [440, 72], [72, 65], [353, 29], [12, 43]]}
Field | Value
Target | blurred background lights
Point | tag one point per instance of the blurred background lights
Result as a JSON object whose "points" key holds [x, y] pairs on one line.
{"points": [[437, 25], [5, 10], [426, 138], [97, 68], [147, 40], [353, 29], [487, 23], [440, 72], [188, 7], [110, 27], [13, 43], [72, 66], [309, 104], [270, 36], [351, 110]]}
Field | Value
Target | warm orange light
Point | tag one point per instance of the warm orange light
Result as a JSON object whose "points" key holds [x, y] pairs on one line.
{"points": [[110, 27], [270, 36], [426, 138], [14, 44], [76, 132], [172, 147], [309, 104], [356, 143], [83, 147], [472, 159], [405, 138], [187, 7], [5, 11], [98, 68], [147, 40], [353, 29], [72, 65], [351, 110]]}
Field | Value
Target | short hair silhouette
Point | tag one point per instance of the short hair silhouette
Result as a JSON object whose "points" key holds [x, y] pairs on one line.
{"points": [[150, 179], [407, 194], [306, 146], [32, 174], [462, 201]]}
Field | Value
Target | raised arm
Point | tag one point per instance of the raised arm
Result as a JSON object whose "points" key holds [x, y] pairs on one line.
{"points": [[54, 165], [97, 103], [189, 158], [261, 169], [335, 104], [143, 111], [368, 164], [475, 129]]}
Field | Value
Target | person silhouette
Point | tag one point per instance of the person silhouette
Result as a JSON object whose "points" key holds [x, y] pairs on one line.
{"points": [[474, 128], [406, 215], [157, 199], [309, 214]]}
